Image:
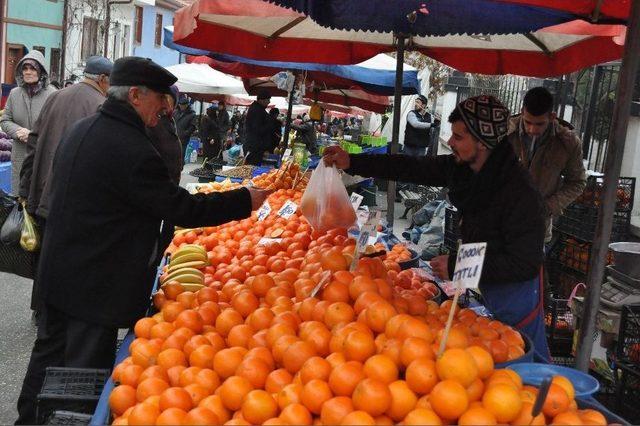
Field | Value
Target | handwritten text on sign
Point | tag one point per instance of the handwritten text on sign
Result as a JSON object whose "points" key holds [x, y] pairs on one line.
{"points": [[469, 265], [288, 209], [264, 211]]}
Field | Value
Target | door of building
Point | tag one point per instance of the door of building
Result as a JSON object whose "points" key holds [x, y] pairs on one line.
{"points": [[15, 52]]}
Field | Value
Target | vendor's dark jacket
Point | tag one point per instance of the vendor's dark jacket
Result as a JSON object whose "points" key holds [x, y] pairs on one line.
{"points": [[498, 205], [164, 139], [110, 191], [185, 123], [257, 129]]}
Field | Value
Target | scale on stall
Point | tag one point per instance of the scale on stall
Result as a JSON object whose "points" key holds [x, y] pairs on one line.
{"points": [[619, 289]]}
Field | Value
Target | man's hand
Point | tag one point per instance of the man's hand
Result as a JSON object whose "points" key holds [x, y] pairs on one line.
{"points": [[257, 197], [334, 155], [440, 266], [23, 134]]}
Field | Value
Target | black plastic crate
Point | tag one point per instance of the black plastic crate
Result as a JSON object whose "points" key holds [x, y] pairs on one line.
{"points": [[591, 196], [559, 326], [628, 346], [564, 361], [580, 222], [606, 394], [562, 280], [70, 389], [628, 395], [70, 418]]}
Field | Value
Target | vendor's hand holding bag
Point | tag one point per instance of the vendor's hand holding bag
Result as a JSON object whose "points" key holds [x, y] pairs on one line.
{"points": [[13, 258], [325, 202]]}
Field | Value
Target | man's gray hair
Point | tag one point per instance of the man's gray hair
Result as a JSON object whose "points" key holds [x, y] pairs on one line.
{"points": [[94, 77], [121, 93]]}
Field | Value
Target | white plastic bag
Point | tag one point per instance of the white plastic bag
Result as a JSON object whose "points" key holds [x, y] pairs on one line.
{"points": [[325, 202]]}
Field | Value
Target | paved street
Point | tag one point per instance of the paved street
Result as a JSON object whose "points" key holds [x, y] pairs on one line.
{"points": [[17, 336]]}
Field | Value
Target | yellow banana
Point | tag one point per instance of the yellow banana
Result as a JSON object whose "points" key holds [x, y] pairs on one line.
{"points": [[193, 264], [192, 287], [187, 278], [170, 276], [187, 257]]}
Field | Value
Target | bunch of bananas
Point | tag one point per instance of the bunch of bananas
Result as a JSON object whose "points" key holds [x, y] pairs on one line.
{"points": [[185, 265]]}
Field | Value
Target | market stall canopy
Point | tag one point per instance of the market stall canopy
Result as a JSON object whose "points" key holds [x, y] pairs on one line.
{"points": [[506, 37], [200, 79]]}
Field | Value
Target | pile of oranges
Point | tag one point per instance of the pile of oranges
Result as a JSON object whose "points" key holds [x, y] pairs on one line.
{"points": [[399, 252], [287, 176], [254, 347]]}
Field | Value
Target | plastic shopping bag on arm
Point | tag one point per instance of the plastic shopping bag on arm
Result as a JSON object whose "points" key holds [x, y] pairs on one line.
{"points": [[325, 202]]}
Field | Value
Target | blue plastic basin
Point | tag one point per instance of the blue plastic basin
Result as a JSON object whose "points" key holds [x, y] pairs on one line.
{"points": [[532, 374]]}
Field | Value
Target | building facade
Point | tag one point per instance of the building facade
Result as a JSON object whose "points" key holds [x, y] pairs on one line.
{"points": [[148, 31], [28, 25]]}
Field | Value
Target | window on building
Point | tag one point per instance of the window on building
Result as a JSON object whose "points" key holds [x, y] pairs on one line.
{"points": [[40, 49], [54, 64], [158, 29], [138, 25], [89, 37]]}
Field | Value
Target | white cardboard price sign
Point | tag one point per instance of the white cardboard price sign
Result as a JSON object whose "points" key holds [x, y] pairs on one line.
{"points": [[265, 240], [356, 200], [286, 155], [264, 211], [288, 209], [469, 262]]}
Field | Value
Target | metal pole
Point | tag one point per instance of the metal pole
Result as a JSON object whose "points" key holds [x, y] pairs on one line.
{"points": [[63, 50], [107, 24], [591, 112], [397, 103], [563, 95], [613, 164], [287, 124]]}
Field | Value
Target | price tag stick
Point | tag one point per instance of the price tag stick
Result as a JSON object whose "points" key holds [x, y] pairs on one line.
{"points": [[447, 328], [302, 175], [324, 279]]}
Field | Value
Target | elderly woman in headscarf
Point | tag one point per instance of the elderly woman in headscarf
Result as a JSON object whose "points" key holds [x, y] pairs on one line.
{"points": [[23, 107]]}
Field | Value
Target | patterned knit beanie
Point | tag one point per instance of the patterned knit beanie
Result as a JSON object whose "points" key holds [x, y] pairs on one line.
{"points": [[486, 118]]}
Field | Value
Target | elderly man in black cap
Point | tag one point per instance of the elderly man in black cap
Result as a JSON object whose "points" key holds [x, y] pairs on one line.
{"points": [[110, 191], [498, 205], [61, 110], [258, 129], [418, 129], [185, 118]]}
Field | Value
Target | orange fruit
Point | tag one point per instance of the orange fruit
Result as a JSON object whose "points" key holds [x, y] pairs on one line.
{"points": [[338, 313], [499, 350], [295, 414], [258, 406], [421, 375], [345, 377], [557, 401], [226, 362], [358, 417], [130, 375], [171, 416], [336, 291], [277, 379], [188, 376], [143, 414], [525, 418], [122, 397], [200, 416], [208, 379], [255, 370], [240, 335], [483, 360], [503, 401], [403, 400], [565, 384], [477, 416], [189, 319], [314, 394], [197, 392], [371, 396], [232, 392], [175, 398], [422, 416], [315, 368], [592, 417], [475, 390], [457, 364], [449, 399], [378, 314], [202, 356], [382, 368], [358, 346], [143, 327], [150, 387], [335, 409], [290, 394], [296, 355], [215, 405], [413, 348], [571, 418]]}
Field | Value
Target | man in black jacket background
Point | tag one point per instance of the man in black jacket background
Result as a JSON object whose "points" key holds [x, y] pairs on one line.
{"points": [[185, 118], [417, 133], [498, 205], [110, 191], [257, 128]]}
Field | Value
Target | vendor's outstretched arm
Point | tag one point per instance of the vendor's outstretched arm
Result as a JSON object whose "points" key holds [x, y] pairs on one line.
{"points": [[431, 171]]}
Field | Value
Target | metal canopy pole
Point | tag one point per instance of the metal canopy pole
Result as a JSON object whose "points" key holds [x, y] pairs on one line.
{"points": [[613, 163], [287, 124], [397, 103]]}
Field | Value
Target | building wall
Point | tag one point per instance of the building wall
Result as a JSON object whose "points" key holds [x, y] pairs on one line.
{"points": [[148, 49], [41, 11]]}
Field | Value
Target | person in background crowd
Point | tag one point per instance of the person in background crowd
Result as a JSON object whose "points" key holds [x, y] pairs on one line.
{"points": [[258, 128], [276, 130], [23, 108], [497, 202], [60, 111], [110, 192], [164, 138], [56, 84], [418, 129], [224, 124], [308, 134], [209, 132], [549, 148], [185, 118]]}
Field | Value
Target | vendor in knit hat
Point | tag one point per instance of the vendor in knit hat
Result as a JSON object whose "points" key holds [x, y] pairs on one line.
{"points": [[497, 205]]}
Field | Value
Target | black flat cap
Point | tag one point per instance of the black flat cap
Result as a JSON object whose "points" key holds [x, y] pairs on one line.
{"points": [[136, 71]]}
